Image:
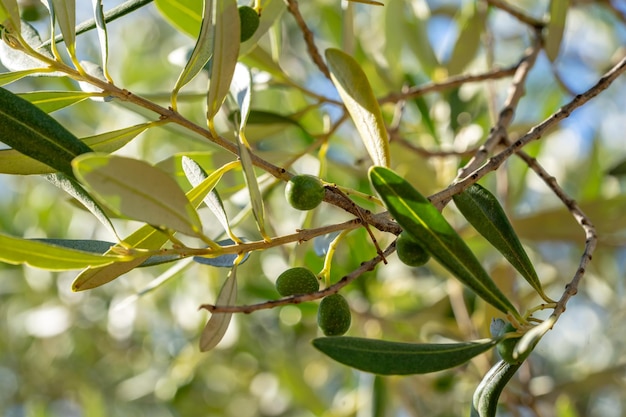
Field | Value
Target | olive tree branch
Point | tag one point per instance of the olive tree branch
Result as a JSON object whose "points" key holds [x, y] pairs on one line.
{"points": [[439, 199], [516, 13], [292, 7], [297, 299], [505, 118]]}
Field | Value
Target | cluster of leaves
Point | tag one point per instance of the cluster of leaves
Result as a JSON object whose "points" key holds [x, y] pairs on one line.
{"points": [[112, 186]]}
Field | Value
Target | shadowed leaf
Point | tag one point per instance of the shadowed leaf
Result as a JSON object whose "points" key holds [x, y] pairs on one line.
{"points": [[395, 358], [217, 325], [425, 223], [485, 399]]}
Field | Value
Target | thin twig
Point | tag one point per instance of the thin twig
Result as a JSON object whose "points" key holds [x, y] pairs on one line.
{"points": [[516, 13], [347, 279], [292, 6], [535, 133], [505, 117], [451, 82]]}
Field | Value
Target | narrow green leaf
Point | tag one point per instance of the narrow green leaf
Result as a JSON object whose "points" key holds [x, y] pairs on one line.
{"points": [[530, 339], [483, 211], [217, 325], [556, 27], [356, 93], [109, 16], [196, 175], [139, 191], [426, 224], [146, 237], [10, 15], [32, 132], [396, 358], [485, 399], [37, 254], [472, 25], [50, 101], [225, 54], [74, 189], [184, 15], [99, 19], [202, 51], [14, 162], [416, 35], [9, 77], [65, 13]]}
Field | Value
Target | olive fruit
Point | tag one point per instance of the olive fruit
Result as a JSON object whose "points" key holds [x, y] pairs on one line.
{"points": [[410, 252], [295, 281], [250, 20], [304, 192], [333, 315], [506, 347]]}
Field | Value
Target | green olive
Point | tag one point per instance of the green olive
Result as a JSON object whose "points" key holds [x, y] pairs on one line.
{"points": [[507, 346], [296, 281], [333, 315], [410, 252], [249, 22], [304, 192]]}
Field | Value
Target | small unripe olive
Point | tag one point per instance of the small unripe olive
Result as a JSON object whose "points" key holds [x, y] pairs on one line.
{"points": [[249, 22], [333, 315], [296, 281], [304, 192], [410, 252], [507, 346]]}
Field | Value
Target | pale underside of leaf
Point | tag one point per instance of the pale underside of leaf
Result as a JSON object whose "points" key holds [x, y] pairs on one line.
{"points": [[396, 358], [217, 325], [139, 191], [426, 224], [99, 19], [358, 97], [485, 398]]}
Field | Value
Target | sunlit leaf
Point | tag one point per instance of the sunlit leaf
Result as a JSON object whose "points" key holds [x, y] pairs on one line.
{"points": [[396, 358], [38, 254], [50, 101], [483, 211], [217, 325], [427, 225], [74, 189], [64, 11], [357, 95], [14, 162], [146, 237], [225, 54], [530, 339], [16, 60], [184, 15], [103, 37], [10, 14], [135, 189], [556, 27], [201, 53], [32, 132], [241, 91], [485, 399]]}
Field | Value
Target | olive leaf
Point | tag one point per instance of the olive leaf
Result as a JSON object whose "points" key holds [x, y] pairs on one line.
{"points": [[225, 55], [202, 51], [485, 398], [14, 162], [64, 12], [483, 211], [74, 189], [146, 237], [50, 101], [356, 93], [32, 132], [397, 358], [99, 19], [186, 17], [10, 14], [38, 254], [472, 24], [217, 325], [555, 27], [426, 224]]}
